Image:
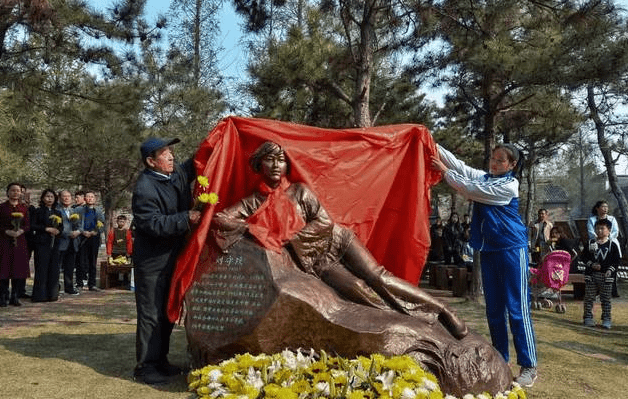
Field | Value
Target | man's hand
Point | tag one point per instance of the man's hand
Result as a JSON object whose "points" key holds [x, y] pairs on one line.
{"points": [[195, 216]]}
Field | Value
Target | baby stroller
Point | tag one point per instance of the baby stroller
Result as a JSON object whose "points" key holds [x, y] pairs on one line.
{"points": [[553, 275]]}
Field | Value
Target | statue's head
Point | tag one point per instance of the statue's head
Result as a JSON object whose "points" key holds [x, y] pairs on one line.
{"points": [[270, 160]]}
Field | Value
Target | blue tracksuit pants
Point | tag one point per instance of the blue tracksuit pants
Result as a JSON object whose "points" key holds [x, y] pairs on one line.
{"points": [[506, 291]]}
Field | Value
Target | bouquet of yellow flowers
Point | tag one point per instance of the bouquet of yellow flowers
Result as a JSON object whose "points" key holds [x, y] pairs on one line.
{"points": [[16, 221], [55, 221], [74, 219], [204, 197]]}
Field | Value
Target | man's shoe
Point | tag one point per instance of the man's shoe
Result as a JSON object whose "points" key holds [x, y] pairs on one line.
{"points": [[527, 376], [94, 289], [150, 376], [606, 324], [15, 301], [589, 323], [169, 370], [73, 292]]}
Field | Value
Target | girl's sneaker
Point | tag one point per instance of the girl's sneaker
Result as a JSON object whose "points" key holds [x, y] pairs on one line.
{"points": [[589, 322], [606, 324], [527, 376]]}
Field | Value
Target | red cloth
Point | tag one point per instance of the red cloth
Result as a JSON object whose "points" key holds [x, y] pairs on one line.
{"points": [[276, 221], [375, 181]]}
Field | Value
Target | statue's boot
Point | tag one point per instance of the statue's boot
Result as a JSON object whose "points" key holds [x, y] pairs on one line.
{"points": [[361, 263]]}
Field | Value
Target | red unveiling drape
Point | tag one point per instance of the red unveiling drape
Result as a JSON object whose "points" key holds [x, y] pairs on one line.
{"points": [[375, 181]]}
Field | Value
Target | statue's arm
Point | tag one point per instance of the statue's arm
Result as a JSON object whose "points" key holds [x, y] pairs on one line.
{"points": [[311, 243], [229, 225]]}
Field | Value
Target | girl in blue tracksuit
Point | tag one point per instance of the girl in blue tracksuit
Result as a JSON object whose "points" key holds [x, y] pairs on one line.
{"points": [[498, 232]]}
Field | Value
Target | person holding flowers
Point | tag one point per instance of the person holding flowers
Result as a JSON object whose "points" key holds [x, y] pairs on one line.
{"points": [[14, 222], [93, 223], [46, 226], [68, 239], [162, 214]]}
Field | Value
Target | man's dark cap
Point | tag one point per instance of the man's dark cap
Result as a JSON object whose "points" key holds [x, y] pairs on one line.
{"points": [[155, 143]]}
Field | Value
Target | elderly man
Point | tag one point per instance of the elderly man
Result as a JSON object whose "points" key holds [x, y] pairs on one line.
{"points": [[161, 209]]}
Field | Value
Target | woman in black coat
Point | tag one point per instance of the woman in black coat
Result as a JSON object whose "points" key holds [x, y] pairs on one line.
{"points": [[46, 227]]}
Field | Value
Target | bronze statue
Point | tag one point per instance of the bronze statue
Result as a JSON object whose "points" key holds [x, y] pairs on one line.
{"points": [[321, 288], [324, 249]]}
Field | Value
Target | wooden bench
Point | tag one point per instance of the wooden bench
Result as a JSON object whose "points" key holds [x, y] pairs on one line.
{"points": [[109, 275], [577, 281], [449, 277]]}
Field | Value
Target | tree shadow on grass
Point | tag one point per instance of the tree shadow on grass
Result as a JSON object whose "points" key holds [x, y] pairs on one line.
{"points": [[111, 354], [604, 345]]}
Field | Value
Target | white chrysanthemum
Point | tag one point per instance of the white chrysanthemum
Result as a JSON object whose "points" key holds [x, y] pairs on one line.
{"points": [[468, 396], [448, 396], [216, 389], [500, 395], [423, 392], [274, 366], [429, 384], [407, 393], [482, 396], [304, 361], [254, 378], [322, 387], [214, 375], [289, 359], [386, 379], [338, 373]]}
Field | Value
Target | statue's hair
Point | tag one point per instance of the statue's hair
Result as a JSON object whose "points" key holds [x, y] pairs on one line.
{"points": [[267, 148]]}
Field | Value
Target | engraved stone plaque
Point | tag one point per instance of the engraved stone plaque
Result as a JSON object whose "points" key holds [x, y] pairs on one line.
{"points": [[231, 297]]}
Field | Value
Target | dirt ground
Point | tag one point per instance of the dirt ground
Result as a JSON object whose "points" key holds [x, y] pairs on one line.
{"points": [[84, 347]]}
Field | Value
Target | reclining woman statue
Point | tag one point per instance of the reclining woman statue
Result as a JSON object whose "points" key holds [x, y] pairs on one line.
{"points": [[288, 214], [326, 291]]}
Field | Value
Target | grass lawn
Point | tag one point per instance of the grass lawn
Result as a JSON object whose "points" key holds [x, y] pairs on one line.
{"points": [[84, 347]]}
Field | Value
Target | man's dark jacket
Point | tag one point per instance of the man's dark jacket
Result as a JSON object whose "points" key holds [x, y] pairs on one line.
{"points": [[160, 216]]}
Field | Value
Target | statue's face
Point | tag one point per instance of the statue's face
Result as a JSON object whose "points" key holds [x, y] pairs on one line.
{"points": [[274, 166]]}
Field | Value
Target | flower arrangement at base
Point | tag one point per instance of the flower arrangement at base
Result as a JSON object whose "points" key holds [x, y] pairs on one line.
{"points": [[300, 375]]}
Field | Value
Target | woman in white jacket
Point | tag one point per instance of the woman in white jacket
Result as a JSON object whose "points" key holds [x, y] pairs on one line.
{"points": [[498, 232]]}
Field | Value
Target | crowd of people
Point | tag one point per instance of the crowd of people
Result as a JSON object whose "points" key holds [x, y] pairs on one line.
{"points": [[62, 234], [598, 259], [450, 241]]}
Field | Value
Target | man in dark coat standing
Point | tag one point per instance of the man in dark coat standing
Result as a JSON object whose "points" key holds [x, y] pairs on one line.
{"points": [[161, 209]]}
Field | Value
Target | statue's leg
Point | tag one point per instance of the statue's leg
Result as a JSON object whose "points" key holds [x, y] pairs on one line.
{"points": [[359, 260], [351, 287]]}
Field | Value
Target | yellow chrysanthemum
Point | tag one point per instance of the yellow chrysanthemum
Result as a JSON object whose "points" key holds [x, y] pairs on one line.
{"points": [[55, 219], [301, 386], [203, 181], [213, 198], [74, 216], [231, 382], [203, 198], [99, 224], [360, 394], [17, 215]]}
